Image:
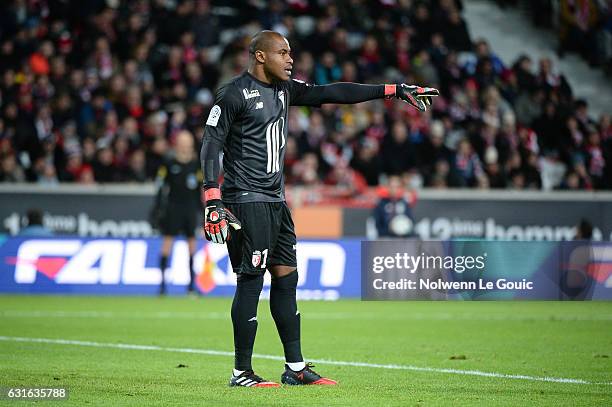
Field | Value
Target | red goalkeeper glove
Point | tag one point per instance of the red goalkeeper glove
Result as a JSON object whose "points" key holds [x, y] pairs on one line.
{"points": [[217, 218], [418, 96]]}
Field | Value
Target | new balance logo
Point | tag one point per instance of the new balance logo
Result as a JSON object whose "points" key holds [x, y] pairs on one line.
{"points": [[253, 319], [259, 105], [275, 141], [249, 94]]}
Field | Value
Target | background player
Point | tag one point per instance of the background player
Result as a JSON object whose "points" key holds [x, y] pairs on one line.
{"points": [[248, 123], [178, 201]]}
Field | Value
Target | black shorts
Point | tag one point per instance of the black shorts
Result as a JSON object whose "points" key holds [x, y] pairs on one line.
{"points": [[179, 220], [267, 237]]}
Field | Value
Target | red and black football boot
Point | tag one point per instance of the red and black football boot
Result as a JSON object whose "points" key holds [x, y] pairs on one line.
{"points": [[249, 379], [305, 376]]}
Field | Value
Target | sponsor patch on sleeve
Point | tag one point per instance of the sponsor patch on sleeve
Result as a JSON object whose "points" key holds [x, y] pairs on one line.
{"points": [[213, 116]]}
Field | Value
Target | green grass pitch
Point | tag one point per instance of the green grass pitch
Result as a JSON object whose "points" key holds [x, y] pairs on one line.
{"points": [[571, 340]]}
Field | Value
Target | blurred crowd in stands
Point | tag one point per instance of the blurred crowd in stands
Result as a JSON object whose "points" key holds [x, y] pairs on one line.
{"points": [[96, 91], [582, 26]]}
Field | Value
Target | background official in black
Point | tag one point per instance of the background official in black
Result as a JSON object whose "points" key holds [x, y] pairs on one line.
{"points": [[178, 201]]}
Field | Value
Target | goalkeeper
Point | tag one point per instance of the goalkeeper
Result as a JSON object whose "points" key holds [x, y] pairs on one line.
{"points": [[248, 122]]}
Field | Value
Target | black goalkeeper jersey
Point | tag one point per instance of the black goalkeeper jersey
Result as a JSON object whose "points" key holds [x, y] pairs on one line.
{"points": [[249, 121]]}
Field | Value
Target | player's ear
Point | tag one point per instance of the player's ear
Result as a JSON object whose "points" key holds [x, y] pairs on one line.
{"points": [[260, 56]]}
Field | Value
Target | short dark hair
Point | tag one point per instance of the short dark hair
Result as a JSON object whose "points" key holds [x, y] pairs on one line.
{"points": [[262, 40], [581, 103]]}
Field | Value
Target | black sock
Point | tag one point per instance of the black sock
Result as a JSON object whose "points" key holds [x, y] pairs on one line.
{"points": [[244, 318], [191, 273], [283, 306], [163, 263]]}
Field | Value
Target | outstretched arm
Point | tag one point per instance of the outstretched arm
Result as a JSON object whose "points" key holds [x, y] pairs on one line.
{"points": [[344, 92], [303, 94]]}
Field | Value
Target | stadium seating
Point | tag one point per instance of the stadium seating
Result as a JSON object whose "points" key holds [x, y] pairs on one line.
{"points": [[96, 93]]}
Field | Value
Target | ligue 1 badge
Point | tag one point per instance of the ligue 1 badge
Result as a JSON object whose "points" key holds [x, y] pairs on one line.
{"points": [[256, 260]]}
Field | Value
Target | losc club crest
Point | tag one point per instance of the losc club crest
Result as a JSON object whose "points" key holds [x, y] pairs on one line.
{"points": [[256, 259]]}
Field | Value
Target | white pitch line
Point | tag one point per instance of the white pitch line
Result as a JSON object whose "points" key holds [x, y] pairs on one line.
{"points": [[314, 315], [113, 315], [322, 361]]}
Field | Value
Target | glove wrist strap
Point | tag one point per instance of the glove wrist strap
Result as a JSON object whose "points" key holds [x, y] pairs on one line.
{"points": [[210, 194], [390, 91]]}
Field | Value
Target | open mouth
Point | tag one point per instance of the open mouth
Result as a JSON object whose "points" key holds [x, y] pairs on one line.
{"points": [[288, 72]]}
